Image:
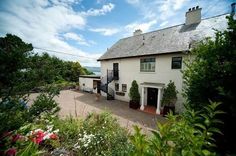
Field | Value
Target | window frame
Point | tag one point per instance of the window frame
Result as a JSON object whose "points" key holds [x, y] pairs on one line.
{"points": [[122, 87], [173, 62], [117, 86], [148, 64]]}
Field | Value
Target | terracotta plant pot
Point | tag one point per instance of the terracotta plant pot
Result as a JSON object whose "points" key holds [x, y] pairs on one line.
{"points": [[134, 104]]}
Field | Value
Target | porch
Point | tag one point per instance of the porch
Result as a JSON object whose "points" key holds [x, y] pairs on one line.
{"points": [[151, 94]]}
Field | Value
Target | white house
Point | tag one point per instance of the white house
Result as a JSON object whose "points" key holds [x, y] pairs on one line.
{"points": [[154, 58]]}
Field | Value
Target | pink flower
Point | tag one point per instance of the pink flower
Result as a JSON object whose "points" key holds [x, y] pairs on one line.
{"points": [[11, 152]]}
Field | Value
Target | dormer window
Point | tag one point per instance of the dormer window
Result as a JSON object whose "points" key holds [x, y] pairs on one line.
{"points": [[147, 64]]}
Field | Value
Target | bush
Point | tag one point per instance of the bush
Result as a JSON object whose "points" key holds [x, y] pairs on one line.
{"points": [[170, 95], [69, 131], [13, 114], [101, 134], [45, 102], [187, 134], [134, 92]]}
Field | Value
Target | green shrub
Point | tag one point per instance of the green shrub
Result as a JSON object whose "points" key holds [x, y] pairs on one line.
{"points": [[45, 102], [187, 134], [134, 92], [170, 95], [13, 114], [69, 131], [101, 134]]}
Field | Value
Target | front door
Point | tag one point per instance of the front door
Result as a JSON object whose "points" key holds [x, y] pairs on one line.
{"points": [[152, 96], [99, 87]]}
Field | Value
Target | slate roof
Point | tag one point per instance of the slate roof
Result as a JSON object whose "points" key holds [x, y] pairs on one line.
{"points": [[168, 40]]}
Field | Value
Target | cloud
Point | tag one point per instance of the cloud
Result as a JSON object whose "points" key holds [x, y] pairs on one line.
{"points": [[133, 2], [97, 12], [105, 31], [79, 38], [43, 23], [164, 23], [158, 8], [130, 28]]}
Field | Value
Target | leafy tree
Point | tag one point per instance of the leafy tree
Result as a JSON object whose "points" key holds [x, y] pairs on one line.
{"points": [[14, 57], [133, 92], [211, 75], [45, 69]]}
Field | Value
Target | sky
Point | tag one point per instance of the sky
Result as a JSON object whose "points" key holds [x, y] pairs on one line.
{"points": [[86, 28]]}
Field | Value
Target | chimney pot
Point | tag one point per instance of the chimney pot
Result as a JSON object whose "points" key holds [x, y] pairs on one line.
{"points": [[137, 32], [193, 8], [189, 9], [197, 7]]}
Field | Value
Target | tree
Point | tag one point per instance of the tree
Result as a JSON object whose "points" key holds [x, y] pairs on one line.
{"points": [[14, 56], [211, 75]]}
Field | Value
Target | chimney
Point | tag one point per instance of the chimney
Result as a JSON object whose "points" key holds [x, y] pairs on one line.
{"points": [[193, 15], [137, 32], [233, 9]]}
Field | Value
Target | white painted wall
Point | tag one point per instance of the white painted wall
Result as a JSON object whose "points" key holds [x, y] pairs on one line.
{"points": [[129, 70], [88, 84]]}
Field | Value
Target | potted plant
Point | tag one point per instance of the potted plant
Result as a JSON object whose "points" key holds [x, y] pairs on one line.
{"points": [[134, 96], [169, 98]]}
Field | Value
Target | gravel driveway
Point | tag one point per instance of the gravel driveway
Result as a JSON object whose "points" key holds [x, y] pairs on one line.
{"points": [[80, 104]]}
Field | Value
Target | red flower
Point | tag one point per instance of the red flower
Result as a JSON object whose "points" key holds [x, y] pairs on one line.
{"points": [[15, 138], [38, 137], [11, 152], [53, 136]]}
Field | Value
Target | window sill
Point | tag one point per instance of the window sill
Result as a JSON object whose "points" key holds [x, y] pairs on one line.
{"points": [[142, 72]]}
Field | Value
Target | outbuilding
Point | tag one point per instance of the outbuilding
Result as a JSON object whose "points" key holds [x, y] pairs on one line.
{"points": [[90, 83]]}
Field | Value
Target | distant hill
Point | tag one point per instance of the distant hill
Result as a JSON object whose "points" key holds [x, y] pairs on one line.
{"points": [[95, 70]]}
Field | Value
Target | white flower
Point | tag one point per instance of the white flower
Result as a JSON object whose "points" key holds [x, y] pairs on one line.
{"points": [[37, 130], [47, 136], [56, 131]]}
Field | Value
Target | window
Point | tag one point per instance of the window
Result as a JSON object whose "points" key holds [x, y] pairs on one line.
{"points": [[176, 63], [124, 87], [117, 86], [147, 65]]}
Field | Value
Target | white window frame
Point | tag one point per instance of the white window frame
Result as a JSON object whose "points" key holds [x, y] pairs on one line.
{"points": [[148, 64]]}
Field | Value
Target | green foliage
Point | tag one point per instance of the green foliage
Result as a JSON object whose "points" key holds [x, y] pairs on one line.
{"points": [[187, 134], [56, 69], [31, 149], [211, 75], [46, 69], [14, 77], [101, 134], [139, 142], [170, 95], [69, 131], [45, 103], [134, 92], [13, 114]]}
